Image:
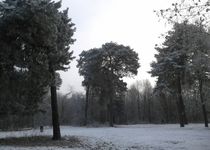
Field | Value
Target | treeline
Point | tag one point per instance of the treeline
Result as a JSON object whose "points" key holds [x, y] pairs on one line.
{"points": [[140, 104]]}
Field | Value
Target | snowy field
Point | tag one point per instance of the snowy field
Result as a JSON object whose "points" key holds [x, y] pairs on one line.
{"points": [[127, 137]]}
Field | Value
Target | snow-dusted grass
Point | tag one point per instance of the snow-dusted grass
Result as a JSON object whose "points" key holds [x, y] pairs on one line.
{"points": [[139, 137]]}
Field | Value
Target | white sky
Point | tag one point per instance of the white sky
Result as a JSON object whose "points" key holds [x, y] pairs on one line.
{"points": [[127, 22]]}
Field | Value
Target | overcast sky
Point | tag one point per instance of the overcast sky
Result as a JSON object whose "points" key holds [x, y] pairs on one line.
{"points": [[127, 22]]}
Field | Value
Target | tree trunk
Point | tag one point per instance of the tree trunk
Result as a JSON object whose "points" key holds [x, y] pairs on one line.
{"points": [[138, 107], [180, 104], [144, 108], [203, 103], [54, 107], [165, 108], [86, 105], [149, 110], [111, 116]]}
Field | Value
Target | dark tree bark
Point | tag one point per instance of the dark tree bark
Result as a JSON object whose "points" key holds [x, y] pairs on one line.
{"points": [[54, 107], [111, 115], [181, 119], [149, 110], [203, 103], [111, 97], [86, 105], [165, 106], [185, 116], [180, 104], [104, 110], [110, 106]]}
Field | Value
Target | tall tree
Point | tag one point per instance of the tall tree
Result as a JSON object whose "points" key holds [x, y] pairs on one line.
{"points": [[43, 34], [89, 65], [118, 61], [172, 60], [22, 86], [196, 12], [105, 67], [199, 65]]}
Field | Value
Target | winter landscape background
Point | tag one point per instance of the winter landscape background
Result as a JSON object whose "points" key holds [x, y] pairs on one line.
{"points": [[108, 74]]}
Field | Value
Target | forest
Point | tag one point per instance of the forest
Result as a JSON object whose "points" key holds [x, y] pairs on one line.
{"points": [[36, 37]]}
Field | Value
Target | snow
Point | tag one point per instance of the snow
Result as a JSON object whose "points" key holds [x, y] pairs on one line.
{"points": [[131, 137], [35, 148]]}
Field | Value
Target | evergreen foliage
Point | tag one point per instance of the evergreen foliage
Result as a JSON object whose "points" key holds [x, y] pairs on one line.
{"points": [[35, 38], [103, 69], [177, 60]]}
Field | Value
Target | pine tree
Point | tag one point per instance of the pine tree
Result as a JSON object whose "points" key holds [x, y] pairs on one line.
{"points": [[172, 60], [39, 36], [199, 65], [105, 67]]}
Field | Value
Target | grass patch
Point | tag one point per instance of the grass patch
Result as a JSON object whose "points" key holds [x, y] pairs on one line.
{"points": [[42, 141]]}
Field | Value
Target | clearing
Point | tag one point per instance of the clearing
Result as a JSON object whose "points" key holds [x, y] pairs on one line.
{"points": [[121, 137]]}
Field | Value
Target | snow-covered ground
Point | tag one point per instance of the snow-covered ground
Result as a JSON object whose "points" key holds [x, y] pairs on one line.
{"points": [[128, 137]]}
